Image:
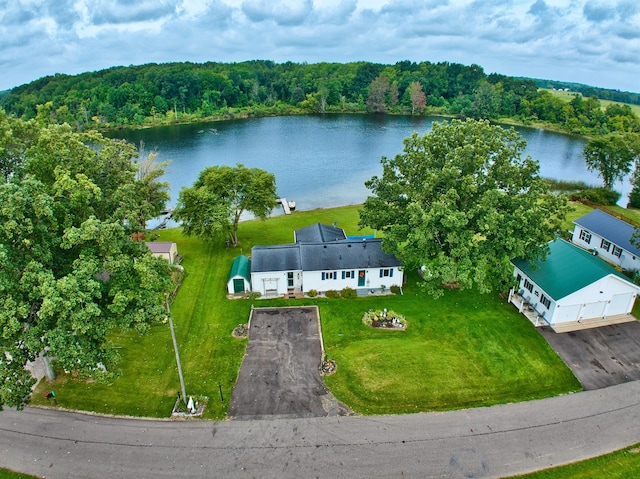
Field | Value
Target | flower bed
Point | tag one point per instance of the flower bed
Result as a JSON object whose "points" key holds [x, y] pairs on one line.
{"points": [[387, 319]]}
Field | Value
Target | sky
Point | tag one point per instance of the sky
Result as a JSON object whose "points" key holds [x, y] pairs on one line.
{"points": [[596, 42]]}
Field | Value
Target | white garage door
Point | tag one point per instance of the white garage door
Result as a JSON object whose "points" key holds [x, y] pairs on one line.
{"points": [[593, 310], [567, 313], [619, 304]]}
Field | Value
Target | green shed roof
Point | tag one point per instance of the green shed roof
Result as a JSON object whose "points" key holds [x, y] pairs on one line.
{"points": [[566, 269], [241, 267]]}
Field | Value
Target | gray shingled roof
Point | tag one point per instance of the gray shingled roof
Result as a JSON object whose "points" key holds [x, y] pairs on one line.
{"points": [[337, 255], [609, 227], [345, 255], [284, 257], [319, 233]]}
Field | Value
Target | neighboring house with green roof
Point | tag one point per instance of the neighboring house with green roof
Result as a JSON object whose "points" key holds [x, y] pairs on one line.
{"points": [[239, 281], [572, 285]]}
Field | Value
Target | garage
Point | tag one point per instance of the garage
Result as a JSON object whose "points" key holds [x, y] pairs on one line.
{"points": [[571, 287]]}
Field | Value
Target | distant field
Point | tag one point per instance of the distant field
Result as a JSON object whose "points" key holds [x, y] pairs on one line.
{"points": [[568, 96]]}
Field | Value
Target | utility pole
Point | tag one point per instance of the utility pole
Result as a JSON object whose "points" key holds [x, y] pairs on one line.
{"points": [[175, 348]]}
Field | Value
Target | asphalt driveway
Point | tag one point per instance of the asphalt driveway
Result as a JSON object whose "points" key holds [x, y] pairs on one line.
{"points": [[280, 373], [600, 357]]}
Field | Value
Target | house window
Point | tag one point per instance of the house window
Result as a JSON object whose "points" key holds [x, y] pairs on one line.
{"points": [[528, 285], [545, 301], [384, 273], [617, 251], [348, 274], [329, 275], [585, 236], [605, 245]]}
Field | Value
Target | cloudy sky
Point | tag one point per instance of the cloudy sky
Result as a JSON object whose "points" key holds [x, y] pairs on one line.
{"points": [[596, 42]]}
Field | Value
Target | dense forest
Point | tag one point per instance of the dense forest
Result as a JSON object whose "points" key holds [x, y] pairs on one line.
{"points": [[155, 94]]}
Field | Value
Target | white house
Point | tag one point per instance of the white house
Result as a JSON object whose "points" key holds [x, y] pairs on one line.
{"points": [[323, 259], [572, 286], [164, 249], [609, 237]]}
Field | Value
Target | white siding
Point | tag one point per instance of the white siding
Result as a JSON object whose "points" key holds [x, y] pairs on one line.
{"points": [[230, 284], [626, 260], [609, 296], [595, 300], [273, 283], [372, 280]]}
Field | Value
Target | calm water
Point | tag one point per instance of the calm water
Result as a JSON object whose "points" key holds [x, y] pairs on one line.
{"points": [[323, 161]]}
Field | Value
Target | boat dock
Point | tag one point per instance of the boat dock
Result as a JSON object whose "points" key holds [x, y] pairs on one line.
{"points": [[285, 205]]}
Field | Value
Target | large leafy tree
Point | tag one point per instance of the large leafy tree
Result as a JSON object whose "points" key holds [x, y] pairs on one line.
{"points": [[460, 202], [69, 271], [612, 155], [213, 206]]}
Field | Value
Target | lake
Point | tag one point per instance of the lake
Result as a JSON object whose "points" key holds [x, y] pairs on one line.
{"points": [[323, 161]]}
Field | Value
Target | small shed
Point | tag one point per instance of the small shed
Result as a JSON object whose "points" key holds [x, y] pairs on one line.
{"points": [[240, 276], [164, 249]]}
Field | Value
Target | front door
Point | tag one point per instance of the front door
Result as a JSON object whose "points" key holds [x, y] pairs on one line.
{"points": [[361, 278]]}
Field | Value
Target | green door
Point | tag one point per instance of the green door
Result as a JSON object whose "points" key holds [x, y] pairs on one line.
{"points": [[238, 285], [361, 278]]}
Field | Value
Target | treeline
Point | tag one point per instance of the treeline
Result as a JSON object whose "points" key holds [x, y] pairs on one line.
{"points": [[156, 94], [589, 91]]}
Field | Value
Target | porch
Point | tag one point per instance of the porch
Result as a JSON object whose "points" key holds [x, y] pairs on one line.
{"points": [[525, 308]]}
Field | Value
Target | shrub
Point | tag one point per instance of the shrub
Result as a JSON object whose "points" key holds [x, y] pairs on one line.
{"points": [[395, 289], [600, 196], [332, 293], [312, 293], [254, 295], [348, 293], [377, 318]]}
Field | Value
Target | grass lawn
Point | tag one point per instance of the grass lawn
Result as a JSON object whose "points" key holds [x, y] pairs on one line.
{"points": [[461, 350], [617, 465]]}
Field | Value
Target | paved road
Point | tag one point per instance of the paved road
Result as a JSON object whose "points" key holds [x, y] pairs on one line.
{"points": [[483, 442]]}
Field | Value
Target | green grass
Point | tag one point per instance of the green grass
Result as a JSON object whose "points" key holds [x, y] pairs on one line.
{"points": [[7, 474], [568, 96], [621, 464], [463, 349]]}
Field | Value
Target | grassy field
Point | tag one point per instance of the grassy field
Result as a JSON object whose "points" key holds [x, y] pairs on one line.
{"points": [[461, 350], [568, 96]]}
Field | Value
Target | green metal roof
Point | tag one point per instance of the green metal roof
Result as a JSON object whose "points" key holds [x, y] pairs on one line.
{"points": [[241, 267], [566, 269]]}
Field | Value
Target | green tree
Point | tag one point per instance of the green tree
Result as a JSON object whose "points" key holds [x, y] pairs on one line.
{"points": [[486, 102], [15, 137], [612, 156], [213, 206], [152, 193], [460, 202], [70, 273]]}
